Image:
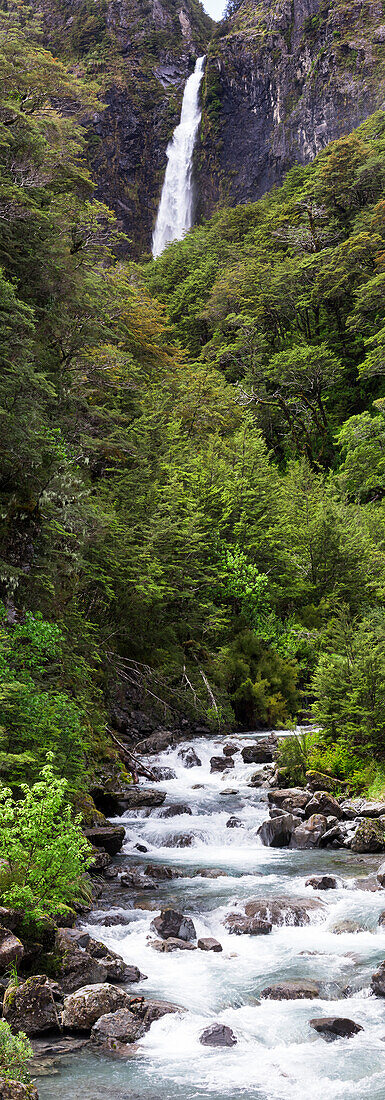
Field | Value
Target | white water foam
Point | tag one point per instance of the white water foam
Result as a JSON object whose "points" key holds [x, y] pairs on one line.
{"points": [[176, 207]]}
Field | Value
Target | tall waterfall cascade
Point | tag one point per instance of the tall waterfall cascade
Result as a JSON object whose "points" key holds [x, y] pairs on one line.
{"points": [[176, 207]]}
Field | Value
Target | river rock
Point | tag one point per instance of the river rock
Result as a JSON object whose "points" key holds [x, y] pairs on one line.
{"points": [[83, 1008], [138, 797], [163, 872], [277, 832], [137, 879], [378, 981], [335, 1027], [240, 925], [361, 807], [262, 752], [322, 882], [339, 836], [117, 1027], [309, 833], [381, 874], [100, 861], [109, 837], [230, 749], [31, 1007], [369, 837], [162, 774], [218, 1035], [175, 810], [323, 802], [80, 966], [317, 781], [289, 798], [189, 758], [174, 925], [234, 823], [150, 1010], [208, 943], [291, 991], [11, 949], [179, 840], [172, 944], [282, 910], [221, 763], [15, 1090], [346, 927]]}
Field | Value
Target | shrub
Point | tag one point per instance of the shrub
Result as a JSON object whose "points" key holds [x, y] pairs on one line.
{"points": [[15, 1052]]}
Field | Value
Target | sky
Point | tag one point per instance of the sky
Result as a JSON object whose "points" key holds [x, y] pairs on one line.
{"points": [[215, 8]]}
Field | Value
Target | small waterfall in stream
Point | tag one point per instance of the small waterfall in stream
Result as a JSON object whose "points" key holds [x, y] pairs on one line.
{"points": [[176, 207]]}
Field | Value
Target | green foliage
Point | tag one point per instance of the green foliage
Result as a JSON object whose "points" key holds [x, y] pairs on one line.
{"points": [[15, 1053], [44, 847], [295, 758]]}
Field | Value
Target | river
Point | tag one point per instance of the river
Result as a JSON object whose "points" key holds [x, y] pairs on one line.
{"points": [[277, 1056]]}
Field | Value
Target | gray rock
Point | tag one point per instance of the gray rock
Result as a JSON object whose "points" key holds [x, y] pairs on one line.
{"points": [[378, 981], [81, 966], [163, 871], [162, 774], [172, 944], [261, 752], [335, 1027], [369, 837], [221, 763], [361, 807], [324, 803], [240, 925], [109, 837], [317, 781], [11, 949], [31, 1007], [291, 991], [175, 810], [289, 798], [208, 943], [189, 758], [218, 1035], [234, 823], [277, 832], [121, 1027], [137, 879], [83, 1008], [284, 910], [171, 924], [309, 833], [381, 874], [322, 882], [230, 749]]}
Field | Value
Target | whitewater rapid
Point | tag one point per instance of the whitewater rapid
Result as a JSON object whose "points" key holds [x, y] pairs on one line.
{"points": [[277, 1056], [176, 207]]}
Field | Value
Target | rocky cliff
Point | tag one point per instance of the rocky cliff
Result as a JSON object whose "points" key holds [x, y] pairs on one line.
{"points": [[281, 81], [140, 52]]}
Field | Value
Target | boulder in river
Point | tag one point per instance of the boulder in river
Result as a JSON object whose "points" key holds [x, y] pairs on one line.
{"points": [[83, 1008], [361, 807], [369, 837], [156, 742], [381, 874], [291, 991], [179, 840], [221, 763], [240, 925], [335, 1027], [135, 877], [30, 1007], [11, 949], [308, 834], [283, 910], [189, 758], [261, 752], [277, 832], [234, 823], [163, 871], [159, 775], [83, 965], [172, 944], [15, 1090], [109, 837], [378, 981], [171, 924], [322, 882], [117, 1027], [289, 799], [323, 802], [208, 943], [218, 1035], [175, 810], [230, 749]]}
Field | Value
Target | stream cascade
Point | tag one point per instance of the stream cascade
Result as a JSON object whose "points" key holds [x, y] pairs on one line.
{"points": [[176, 207]]}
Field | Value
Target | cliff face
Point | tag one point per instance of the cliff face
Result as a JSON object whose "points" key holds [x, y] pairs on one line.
{"points": [[281, 81], [140, 52]]}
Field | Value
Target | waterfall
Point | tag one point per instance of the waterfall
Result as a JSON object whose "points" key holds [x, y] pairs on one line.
{"points": [[176, 207]]}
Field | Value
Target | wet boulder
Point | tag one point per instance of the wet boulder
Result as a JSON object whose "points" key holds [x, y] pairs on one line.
{"points": [[289, 799], [240, 925], [157, 742], [234, 823], [11, 949], [218, 1035], [172, 944], [137, 797], [100, 861], [208, 943], [159, 775], [136, 878], [117, 1027], [323, 802], [230, 749], [109, 837], [149, 1010], [82, 1009], [83, 965], [339, 836], [31, 1007], [261, 752], [163, 872], [335, 1027], [15, 1090], [171, 924], [381, 874], [322, 882], [284, 910], [189, 758], [361, 807], [221, 763], [179, 840], [291, 991], [309, 833], [369, 837], [378, 981], [278, 831], [175, 810]]}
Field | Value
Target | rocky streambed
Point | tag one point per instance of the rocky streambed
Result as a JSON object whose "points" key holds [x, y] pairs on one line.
{"points": [[235, 947]]}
